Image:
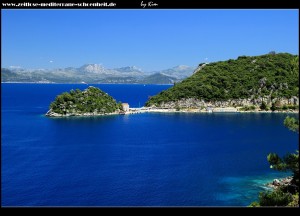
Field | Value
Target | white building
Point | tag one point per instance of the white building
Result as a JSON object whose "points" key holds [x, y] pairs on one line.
{"points": [[125, 107]]}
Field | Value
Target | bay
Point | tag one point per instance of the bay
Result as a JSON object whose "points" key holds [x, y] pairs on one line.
{"points": [[150, 159]]}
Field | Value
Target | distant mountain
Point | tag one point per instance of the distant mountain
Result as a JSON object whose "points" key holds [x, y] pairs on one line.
{"points": [[179, 72], [95, 73], [93, 68], [129, 69], [159, 78], [6, 74]]}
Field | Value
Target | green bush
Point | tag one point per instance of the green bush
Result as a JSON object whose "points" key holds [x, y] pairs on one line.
{"points": [[295, 201], [254, 204], [274, 198], [248, 108], [273, 107], [263, 106], [292, 123]]}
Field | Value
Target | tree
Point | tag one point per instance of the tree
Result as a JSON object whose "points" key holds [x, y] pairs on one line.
{"points": [[283, 195], [291, 160], [292, 124], [263, 106], [276, 106], [275, 198]]}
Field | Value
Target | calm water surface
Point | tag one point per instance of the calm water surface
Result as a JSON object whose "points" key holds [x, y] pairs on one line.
{"points": [[133, 160]]}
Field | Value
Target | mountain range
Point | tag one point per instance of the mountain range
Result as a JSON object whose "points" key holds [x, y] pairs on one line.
{"points": [[96, 73]]}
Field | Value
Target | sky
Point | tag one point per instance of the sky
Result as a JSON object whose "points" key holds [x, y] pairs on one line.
{"points": [[149, 39]]}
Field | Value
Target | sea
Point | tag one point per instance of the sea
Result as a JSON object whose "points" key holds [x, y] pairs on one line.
{"points": [[149, 159]]}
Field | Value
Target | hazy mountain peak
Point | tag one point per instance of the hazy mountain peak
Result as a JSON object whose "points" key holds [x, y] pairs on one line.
{"points": [[180, 71], [181, 67], [92, 68], [129, 69]]}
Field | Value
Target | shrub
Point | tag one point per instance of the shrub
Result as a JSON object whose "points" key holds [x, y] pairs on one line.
{"points": [[263, 106], [254, 204], [274, 198]]}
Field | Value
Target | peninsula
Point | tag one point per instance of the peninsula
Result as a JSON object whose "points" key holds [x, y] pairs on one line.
{"points": [[90, 102], [250, 83]]}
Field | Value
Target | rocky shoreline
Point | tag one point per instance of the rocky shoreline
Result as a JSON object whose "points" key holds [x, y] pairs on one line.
{"points": [[276, 183], [219, 111], [189, 110], [50, 113], [197, 103]]}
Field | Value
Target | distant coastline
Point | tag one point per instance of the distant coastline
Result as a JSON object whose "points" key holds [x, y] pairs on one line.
{"points": [[157, 110], [96, 73], [84, 84], [153, 110]]}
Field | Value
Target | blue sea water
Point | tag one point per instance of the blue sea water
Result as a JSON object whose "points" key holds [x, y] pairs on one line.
{"points": [[133, 160]]}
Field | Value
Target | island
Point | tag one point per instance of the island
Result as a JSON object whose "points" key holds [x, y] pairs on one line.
{"points": [[90, 102], [265, 83]]}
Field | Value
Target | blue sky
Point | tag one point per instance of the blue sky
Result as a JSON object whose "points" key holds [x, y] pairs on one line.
{"points": [[149, 39]]}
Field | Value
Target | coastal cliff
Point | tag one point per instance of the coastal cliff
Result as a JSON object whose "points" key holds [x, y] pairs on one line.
{"points": [[258, 82], [90, 102], [193, 103]]}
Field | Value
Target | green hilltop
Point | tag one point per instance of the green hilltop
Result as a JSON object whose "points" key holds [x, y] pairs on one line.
{"points": [[91, 101], [270, 80]]}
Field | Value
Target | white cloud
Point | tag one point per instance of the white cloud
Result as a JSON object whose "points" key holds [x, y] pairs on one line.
{"points": [[51, 61]]}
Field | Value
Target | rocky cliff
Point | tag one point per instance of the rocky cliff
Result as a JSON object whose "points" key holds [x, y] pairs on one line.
{"points": [[197, 103]]}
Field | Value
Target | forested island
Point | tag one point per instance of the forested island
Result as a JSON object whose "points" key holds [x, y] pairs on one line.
{"points": [[249, 83], [90, 102]]}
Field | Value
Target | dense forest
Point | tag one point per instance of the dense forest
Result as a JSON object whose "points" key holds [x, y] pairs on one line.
{"points": [[91, 100], [272, 77]]}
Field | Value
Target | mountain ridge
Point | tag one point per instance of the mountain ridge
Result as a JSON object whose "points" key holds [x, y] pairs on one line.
{"points": [[96, 73]]}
